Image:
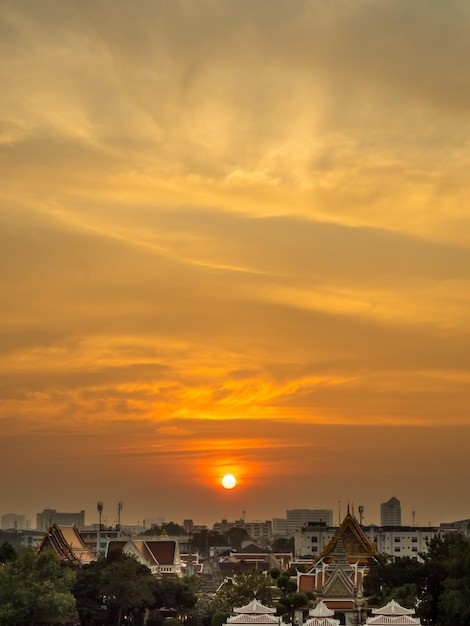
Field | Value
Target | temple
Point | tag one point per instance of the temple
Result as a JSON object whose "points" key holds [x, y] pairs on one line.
{"points": [[337, 576], [321, 615], [68, 544], [253, 613], [161, 556], [393, 614]]}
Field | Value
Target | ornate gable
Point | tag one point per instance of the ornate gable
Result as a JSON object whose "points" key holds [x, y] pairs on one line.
{"points": [[355, 542], [338, 587]]}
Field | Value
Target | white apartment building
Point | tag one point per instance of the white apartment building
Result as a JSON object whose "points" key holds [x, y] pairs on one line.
{"points": [[393, 541], [50, 516], [256, 530], [297, 518]]}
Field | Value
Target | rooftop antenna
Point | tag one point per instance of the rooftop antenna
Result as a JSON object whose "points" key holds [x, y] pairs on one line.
{"points": [[99, 506], [413, 513], [361, 514], [119, 509]]}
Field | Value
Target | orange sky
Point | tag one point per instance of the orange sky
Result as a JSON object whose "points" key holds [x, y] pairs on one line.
{"points": [[235, 236]]}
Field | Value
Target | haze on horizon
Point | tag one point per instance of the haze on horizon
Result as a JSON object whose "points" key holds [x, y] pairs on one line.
{"points": [[235, 237]]}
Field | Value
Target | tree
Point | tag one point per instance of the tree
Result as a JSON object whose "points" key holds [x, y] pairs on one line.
{"points": [[243, 588], [286, 584], [236, 536], [121, 584], [173, 593], [439, 587], [283, 544], [36, 588], [7, 553], [206, 539]]}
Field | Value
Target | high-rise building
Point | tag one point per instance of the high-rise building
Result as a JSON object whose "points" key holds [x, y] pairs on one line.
{"points": [[50, 516], [297, 518], [14, 521], [390, 513]]}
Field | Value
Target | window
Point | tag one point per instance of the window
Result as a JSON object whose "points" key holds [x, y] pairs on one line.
{"points": [[397, 548], [414, 539], [397, 539]]}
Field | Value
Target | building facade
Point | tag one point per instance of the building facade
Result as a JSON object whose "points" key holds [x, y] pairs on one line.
{"points": [[14, 521], [49, 517], [390, 541], [298, 518], [390, 513], [255, 530]]}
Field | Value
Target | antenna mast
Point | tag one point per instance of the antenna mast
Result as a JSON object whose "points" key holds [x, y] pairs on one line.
{"points": [[99, 506]]}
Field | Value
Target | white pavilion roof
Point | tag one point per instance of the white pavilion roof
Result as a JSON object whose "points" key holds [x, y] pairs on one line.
{"points": [[255, 607], [321, 610], [247, 618], [393, 608], [393, 620]]}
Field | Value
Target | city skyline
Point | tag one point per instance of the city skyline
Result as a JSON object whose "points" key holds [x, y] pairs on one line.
{"points": [[235, 239], [112, 516]]}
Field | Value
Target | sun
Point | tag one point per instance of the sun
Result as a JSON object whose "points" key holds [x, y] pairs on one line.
{"points": [[229, 481]]}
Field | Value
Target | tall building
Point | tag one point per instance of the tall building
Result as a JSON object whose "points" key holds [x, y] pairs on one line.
{"points": [[303, 516], [50, 516], [13, 521], [390, 513], [298, 518]]}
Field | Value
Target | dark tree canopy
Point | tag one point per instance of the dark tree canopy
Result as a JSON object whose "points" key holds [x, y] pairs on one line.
{"points": [[36, 588], [439, 587]]}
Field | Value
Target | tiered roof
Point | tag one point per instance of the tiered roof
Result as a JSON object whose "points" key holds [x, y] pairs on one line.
{"points": [[253, 613], [393, 614], [321, 615], [255, 608], [154, 553], [67, 542], [354, 540]]}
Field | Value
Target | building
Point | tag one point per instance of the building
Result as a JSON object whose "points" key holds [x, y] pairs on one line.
{"points": [[390, 513], [312, 539], [13, 521], [161, 556], [405, 541], [49, 517], [321, 615], [22, 538], [298, 518], [336, 577], [393, 614], [253, 613], [68, 544], [390, 541], [255, 530]]}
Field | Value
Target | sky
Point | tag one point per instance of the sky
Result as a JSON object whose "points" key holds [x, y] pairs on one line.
{"points": [[235, 237]]}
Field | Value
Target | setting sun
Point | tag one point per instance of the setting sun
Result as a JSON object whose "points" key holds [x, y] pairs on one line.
{"points": [[229, 481]]}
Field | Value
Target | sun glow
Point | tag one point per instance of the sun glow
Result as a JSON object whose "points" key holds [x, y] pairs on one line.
{"points": [[229, 481]]}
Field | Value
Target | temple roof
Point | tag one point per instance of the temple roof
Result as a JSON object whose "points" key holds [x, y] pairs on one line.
{"points": [[321, 615], [354, 541], [254, 613], [393, 608], [393, 614], [153, 551], [255, 607], [246, 618], [67, 542], [321, 610]]}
